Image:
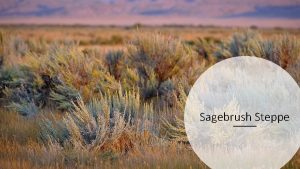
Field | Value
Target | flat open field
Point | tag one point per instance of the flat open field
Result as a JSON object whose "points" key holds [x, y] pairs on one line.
{"points": [[113, 97]]}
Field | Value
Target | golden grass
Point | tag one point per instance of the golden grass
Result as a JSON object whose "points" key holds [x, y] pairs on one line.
{"points": [[62, 33]]}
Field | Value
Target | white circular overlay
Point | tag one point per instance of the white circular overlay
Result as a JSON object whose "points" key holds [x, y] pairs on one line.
{"points": [[244, 113]]}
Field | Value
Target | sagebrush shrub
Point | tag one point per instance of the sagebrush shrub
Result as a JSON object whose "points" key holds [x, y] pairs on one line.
{"points": [[153, 59], [25, 108], [18, 90], [174, 125], [287, 51], [18, 46], [167, 56], [245, 44], [113, 60], [111, 122], [282, 50], [64, 97]]}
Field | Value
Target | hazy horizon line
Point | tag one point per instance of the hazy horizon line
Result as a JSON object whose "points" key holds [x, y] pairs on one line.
{"points": [[154, 21]]}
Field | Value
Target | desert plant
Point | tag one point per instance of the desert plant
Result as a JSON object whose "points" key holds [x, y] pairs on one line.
{"points": [[80, 70], [18, 46], [106, 123], [25, 108], [293, 69], [176, 130], [1, 49], [283, 50], [130, 78], [18, 90], [166, 55], [287, 51], [174, 126], [245, 44], [149, 83], [116, 39], [64, 97], [39, 46], [113, 61], [206, 46], [157, 58]]}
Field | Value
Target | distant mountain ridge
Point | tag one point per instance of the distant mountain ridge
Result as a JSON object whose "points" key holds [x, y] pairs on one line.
{"points": [[20, 10]]}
